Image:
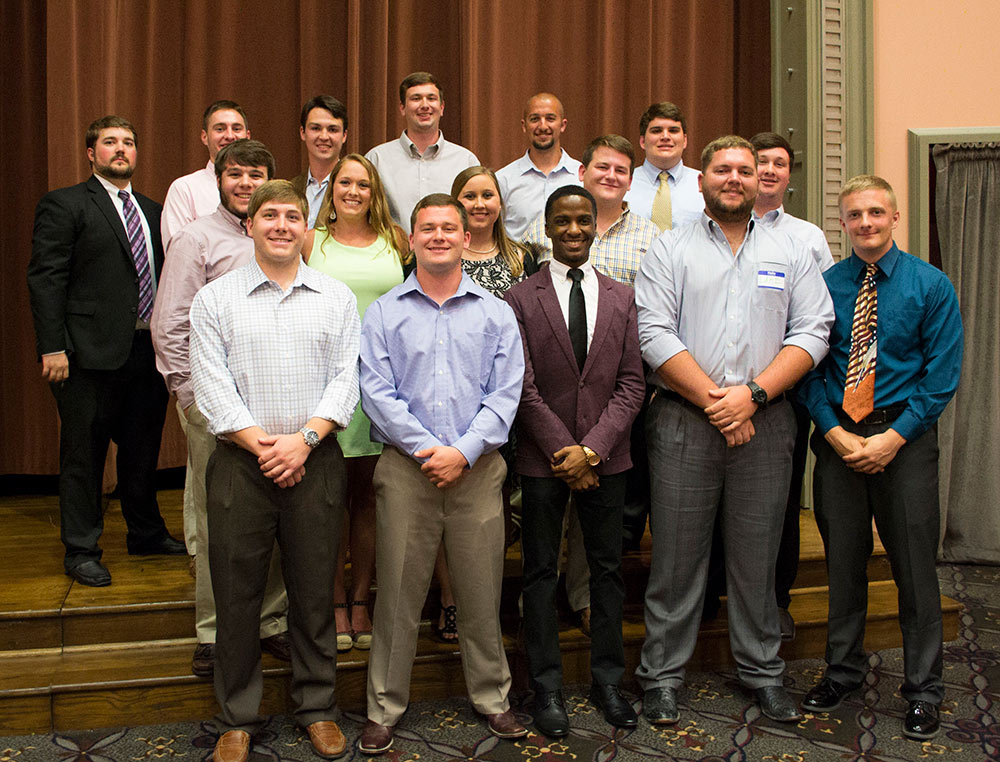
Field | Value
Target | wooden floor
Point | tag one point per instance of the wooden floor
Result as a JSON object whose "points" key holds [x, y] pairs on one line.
{"points": [[74, 657]]}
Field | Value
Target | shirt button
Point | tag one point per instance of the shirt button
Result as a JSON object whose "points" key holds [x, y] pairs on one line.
{"points": [[440, 373], [439, 404], [730, 343], [440, 341], [732, 317]]}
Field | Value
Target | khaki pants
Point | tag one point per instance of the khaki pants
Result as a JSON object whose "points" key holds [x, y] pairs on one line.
{"points": [[412, 517]]}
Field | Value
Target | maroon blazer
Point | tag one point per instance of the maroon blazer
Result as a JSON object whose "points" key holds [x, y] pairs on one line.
{"points": [[560, 406]]}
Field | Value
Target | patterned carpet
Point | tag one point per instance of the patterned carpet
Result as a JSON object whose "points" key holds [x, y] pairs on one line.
{"points": [[718, 719]]}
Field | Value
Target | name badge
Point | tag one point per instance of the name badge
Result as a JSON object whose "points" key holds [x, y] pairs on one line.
{"points": [[773, 279]]}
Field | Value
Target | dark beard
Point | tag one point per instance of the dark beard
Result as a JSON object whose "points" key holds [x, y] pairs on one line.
{"points": [[724, 214]]}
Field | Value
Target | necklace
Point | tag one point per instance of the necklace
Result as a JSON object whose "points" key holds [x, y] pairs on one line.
{"points": [[487, 251]]}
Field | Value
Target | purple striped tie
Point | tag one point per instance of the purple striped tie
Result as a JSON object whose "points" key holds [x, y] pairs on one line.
{"points": [[136, 240]]}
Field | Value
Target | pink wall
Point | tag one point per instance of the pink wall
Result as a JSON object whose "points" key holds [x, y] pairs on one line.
{"points": [[936, 65]]}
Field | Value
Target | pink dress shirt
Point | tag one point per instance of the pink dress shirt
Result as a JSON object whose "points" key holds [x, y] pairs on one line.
{"points": [[188, 198], [198, 254]]}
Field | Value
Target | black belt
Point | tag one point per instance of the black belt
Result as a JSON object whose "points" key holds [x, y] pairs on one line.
{"points": [[672, 395], [881, 415]]}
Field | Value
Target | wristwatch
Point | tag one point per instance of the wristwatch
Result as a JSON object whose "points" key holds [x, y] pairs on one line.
{"points": [[311, 437], [593, 459], [757, 393]]}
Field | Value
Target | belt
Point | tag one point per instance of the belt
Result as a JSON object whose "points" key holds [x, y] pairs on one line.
{"points": [[881, 415], [672, 395]]}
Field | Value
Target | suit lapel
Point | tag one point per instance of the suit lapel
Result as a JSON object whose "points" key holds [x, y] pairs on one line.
{"points": [[103, 200], [605, 309], [549, 303]]}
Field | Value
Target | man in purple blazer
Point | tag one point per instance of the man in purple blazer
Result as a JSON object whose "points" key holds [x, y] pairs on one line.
{"points": [[583, 387]]}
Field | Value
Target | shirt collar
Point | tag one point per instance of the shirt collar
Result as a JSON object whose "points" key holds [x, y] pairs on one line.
{"points": [[310, 180], [525, 164], [231, 220], [713, 229], [411, 148], [886, 263], [112, 188], [561, 272], [304, 276], [465, 286], [652, 172], [771, 217]]}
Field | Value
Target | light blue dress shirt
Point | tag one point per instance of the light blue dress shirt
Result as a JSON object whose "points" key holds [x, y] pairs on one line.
{"points": [[732, 313], [448, 374], [686, 201], [802, 230], [524, 189]]}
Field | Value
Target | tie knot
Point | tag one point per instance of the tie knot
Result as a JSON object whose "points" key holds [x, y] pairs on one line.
{"points": [[575, 274], [123, 195], [664, 176], [871, 270]]}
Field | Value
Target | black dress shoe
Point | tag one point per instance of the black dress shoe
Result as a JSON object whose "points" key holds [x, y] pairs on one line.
{"points": [[776, 704], [921, 720], [826, 695], [617, 711], [659, 706], [165, 546], [91, 574], [550, 714], [279, 646]]}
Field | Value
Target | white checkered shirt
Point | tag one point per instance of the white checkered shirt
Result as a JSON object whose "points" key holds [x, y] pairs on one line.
{"points": [[272, 358]]}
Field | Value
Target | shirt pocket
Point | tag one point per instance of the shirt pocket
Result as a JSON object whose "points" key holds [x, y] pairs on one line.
{"points": [[771, 284]]}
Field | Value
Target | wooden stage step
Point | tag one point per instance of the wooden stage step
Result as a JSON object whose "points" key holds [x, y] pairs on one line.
{"points": [[73, 657]]}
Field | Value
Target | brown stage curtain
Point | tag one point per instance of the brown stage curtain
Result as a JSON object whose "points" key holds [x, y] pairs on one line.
{"points": [[160, 62]]}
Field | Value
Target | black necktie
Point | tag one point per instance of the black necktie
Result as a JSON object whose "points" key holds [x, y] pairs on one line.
{"points": [[577, 318]]}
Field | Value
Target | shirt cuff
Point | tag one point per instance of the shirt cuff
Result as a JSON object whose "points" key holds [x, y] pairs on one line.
{"points": [[908, 426], [658, 350], [817, 348], [235, 420], [470, 446]]}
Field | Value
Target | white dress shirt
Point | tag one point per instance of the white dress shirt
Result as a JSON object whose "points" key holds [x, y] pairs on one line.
{"points": [[408, 175], [563, 284], [686, 201], [524, 189], [120, 208]]}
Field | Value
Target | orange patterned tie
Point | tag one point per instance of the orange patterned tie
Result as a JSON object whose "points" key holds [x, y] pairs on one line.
{"points": [[859, 389]]}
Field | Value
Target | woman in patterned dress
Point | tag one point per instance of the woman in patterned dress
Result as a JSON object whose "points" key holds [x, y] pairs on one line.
{"points": [[356, 242]]}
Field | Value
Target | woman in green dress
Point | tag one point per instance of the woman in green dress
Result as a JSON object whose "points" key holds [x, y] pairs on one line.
{"points": [[356, 242]]}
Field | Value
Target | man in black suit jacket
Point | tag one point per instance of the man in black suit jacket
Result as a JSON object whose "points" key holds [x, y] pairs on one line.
{"points": [[92, 278]]}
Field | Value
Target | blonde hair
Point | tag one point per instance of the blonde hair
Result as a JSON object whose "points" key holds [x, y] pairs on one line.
{"points": [[860, 183], [511, 253], [378, 209]]}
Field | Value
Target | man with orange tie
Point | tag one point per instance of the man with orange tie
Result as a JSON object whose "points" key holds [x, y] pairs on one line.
{"points": [[894, 362]]}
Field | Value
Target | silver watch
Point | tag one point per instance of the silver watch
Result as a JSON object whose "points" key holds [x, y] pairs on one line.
{"points": [[311, 437]]}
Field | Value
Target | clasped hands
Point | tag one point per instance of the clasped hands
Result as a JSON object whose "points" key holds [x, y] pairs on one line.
{"points": [[866, 455], [572, 466], [444, 465], [731, 413], [282, 458]]}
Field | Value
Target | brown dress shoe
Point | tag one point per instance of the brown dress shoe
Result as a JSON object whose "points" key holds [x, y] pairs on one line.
{"points": [[279, 646], [232, 746], [375, 738], [327, 739], [505, 725]]}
